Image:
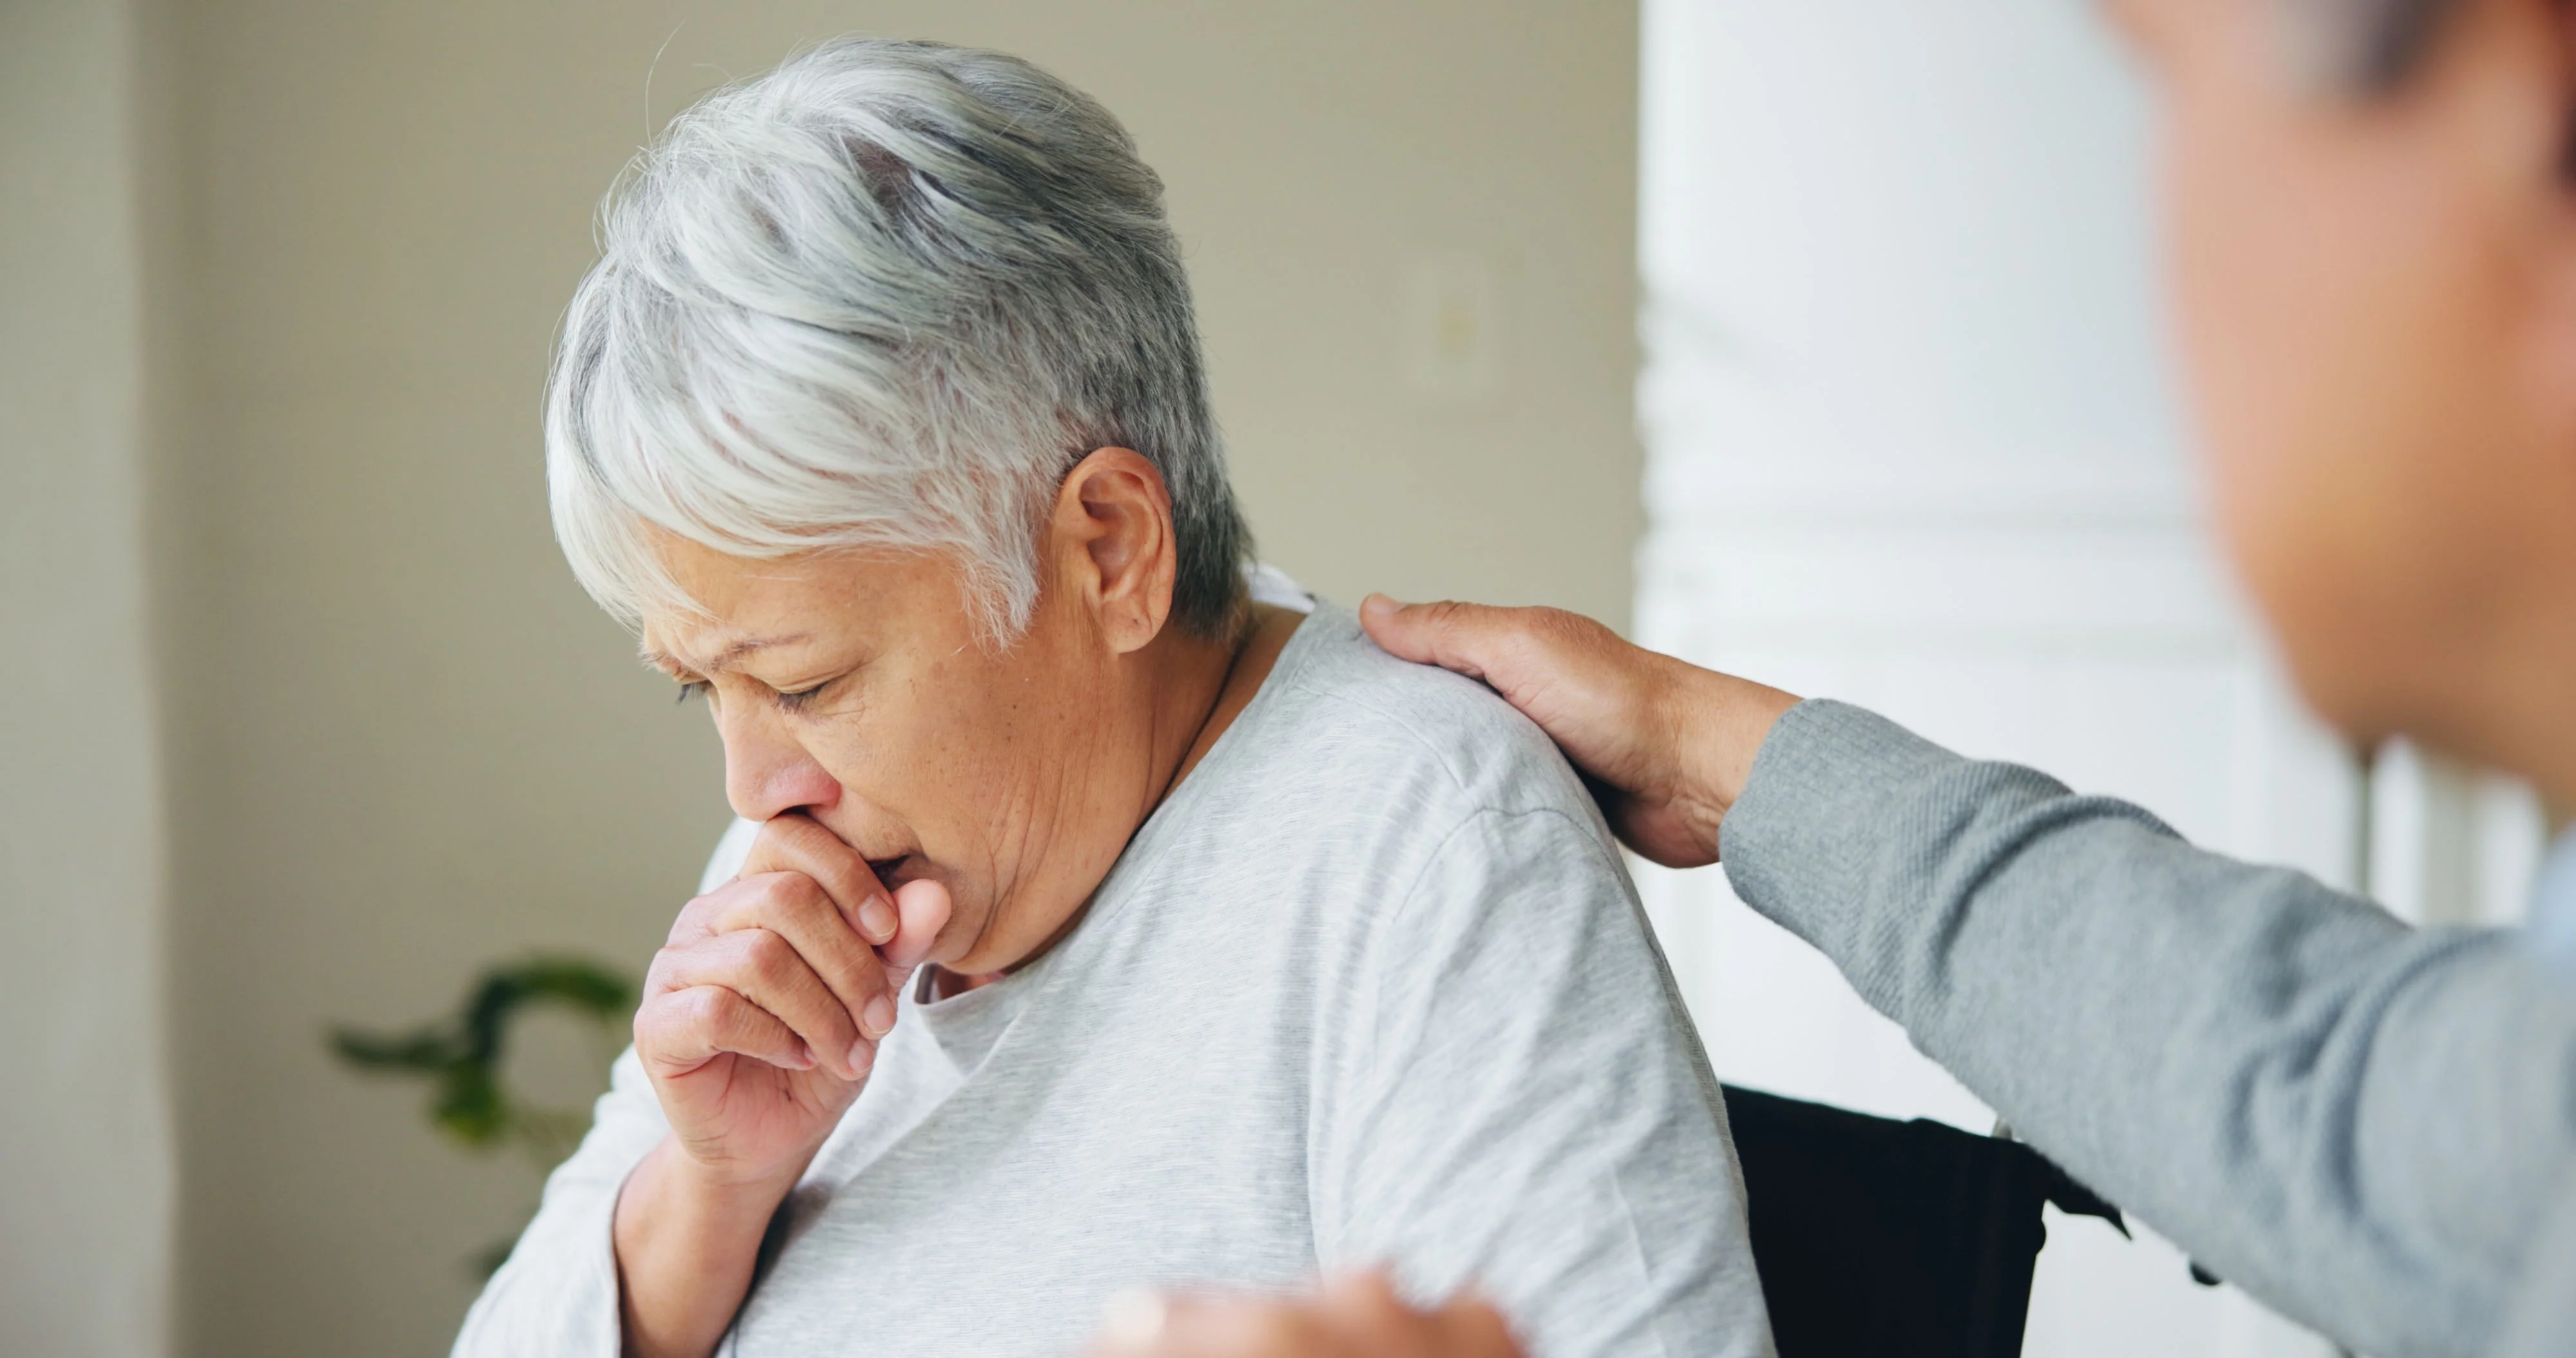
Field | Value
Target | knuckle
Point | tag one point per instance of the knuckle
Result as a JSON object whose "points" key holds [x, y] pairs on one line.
{"points": [[789, 894], [744, 1024], [701, 1008], [739, 1020], [1543, 634], [693, 916], [766, 955], [763, 891], [803, 894], [1555, 624], [1446, 613]]}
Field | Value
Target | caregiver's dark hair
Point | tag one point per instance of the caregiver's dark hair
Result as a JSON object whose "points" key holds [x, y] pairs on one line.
{"points": [[2370, 47]]}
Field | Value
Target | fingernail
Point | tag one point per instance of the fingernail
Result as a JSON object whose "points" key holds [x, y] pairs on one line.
{"points": [[877, 1019], [862, 1056], [1378, 605], [877, 919]]}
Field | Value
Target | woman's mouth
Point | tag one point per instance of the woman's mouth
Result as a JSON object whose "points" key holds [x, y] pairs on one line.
{"points": [[890, 871]]}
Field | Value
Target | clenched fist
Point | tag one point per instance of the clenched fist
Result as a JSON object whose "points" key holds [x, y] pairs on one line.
{"points": [[762, 1012], [760, 1022]]}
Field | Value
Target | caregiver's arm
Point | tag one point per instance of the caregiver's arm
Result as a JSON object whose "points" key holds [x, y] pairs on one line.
{"points": [[2351, 1118]]}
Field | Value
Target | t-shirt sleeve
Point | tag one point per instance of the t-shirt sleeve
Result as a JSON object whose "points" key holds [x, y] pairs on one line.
{"points": [[1510, 1099], [557, 1296]]}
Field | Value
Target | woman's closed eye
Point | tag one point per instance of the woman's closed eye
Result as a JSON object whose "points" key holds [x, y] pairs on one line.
{"points": [[799, 699], [791, 700]]}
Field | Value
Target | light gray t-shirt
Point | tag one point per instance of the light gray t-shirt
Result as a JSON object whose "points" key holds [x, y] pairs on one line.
{"points": [[1370, 988]]}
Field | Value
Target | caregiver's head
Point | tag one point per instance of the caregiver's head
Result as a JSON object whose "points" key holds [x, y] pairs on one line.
{"points": [[882, 418], [2373, 224]]}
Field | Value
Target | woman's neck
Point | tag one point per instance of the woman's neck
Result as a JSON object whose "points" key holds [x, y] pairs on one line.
{"points": [[1204, 687], [1264, 637]]}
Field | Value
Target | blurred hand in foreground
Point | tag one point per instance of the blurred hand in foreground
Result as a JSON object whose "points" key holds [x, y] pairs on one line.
{"points": [[1667, 745], [1355, 1318]]}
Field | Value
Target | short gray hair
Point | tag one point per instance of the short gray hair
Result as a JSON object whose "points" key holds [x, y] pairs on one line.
{"points": [[884, 296]]}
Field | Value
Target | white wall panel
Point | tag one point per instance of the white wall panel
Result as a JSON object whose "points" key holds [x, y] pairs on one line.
{"points": [[1911, 442], [86, 1195]]}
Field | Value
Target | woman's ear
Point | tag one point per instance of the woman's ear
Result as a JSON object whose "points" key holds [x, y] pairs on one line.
{"points": [[1113, 544]]}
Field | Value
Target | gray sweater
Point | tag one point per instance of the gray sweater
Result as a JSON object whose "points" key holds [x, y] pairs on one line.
{"points": [[2370, 1126]]}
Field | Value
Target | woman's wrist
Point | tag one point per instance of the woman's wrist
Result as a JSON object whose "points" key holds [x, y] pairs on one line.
{"points": [[720, 1192], [686, 1237], [673, 1194]]}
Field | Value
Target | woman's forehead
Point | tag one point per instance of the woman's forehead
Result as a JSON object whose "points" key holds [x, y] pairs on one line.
{"points": [[742, 607], [712, 654], [731, 609]]}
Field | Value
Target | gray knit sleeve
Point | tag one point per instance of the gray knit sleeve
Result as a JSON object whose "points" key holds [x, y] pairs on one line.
{"points": [[2352, 1119]]}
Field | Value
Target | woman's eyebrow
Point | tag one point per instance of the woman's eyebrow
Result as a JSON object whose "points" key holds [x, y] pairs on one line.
{"points": [[662, 660]]}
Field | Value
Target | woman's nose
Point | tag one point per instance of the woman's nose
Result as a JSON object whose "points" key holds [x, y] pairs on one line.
{"points": [[768, 774]]}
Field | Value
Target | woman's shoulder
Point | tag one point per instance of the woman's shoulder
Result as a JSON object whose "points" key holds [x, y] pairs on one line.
{"points": [[1348, 711], [1360, 789]]}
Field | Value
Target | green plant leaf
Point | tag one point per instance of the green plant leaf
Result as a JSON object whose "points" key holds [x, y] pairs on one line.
{"points": [[463, 1052]]}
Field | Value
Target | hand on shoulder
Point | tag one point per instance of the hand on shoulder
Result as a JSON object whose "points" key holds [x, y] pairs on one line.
{"points": [[1667, 745]]}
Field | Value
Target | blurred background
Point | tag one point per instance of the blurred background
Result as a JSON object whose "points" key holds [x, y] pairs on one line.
{"points": [[1816, 339]]}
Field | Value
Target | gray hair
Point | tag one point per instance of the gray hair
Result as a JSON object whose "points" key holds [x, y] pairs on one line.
{"points": [[883, 297]]}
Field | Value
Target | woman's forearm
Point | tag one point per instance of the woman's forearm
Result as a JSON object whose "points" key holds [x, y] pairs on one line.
{"points": [[686, 1245]]}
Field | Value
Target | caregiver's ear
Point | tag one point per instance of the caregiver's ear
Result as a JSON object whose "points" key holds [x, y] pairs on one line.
{"points": [[2538, 64], [1114, 545]]}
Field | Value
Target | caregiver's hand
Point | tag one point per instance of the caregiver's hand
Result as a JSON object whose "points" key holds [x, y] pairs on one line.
{"points": [[1355, 1318], [760, 1021], [1667, 744]]}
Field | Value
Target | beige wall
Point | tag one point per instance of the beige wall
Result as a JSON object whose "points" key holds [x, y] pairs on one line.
{"points": [[403, 745], [85, 1154]]}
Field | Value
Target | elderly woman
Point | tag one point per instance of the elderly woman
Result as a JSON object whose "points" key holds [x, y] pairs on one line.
{"points": [[1093, 925]]}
